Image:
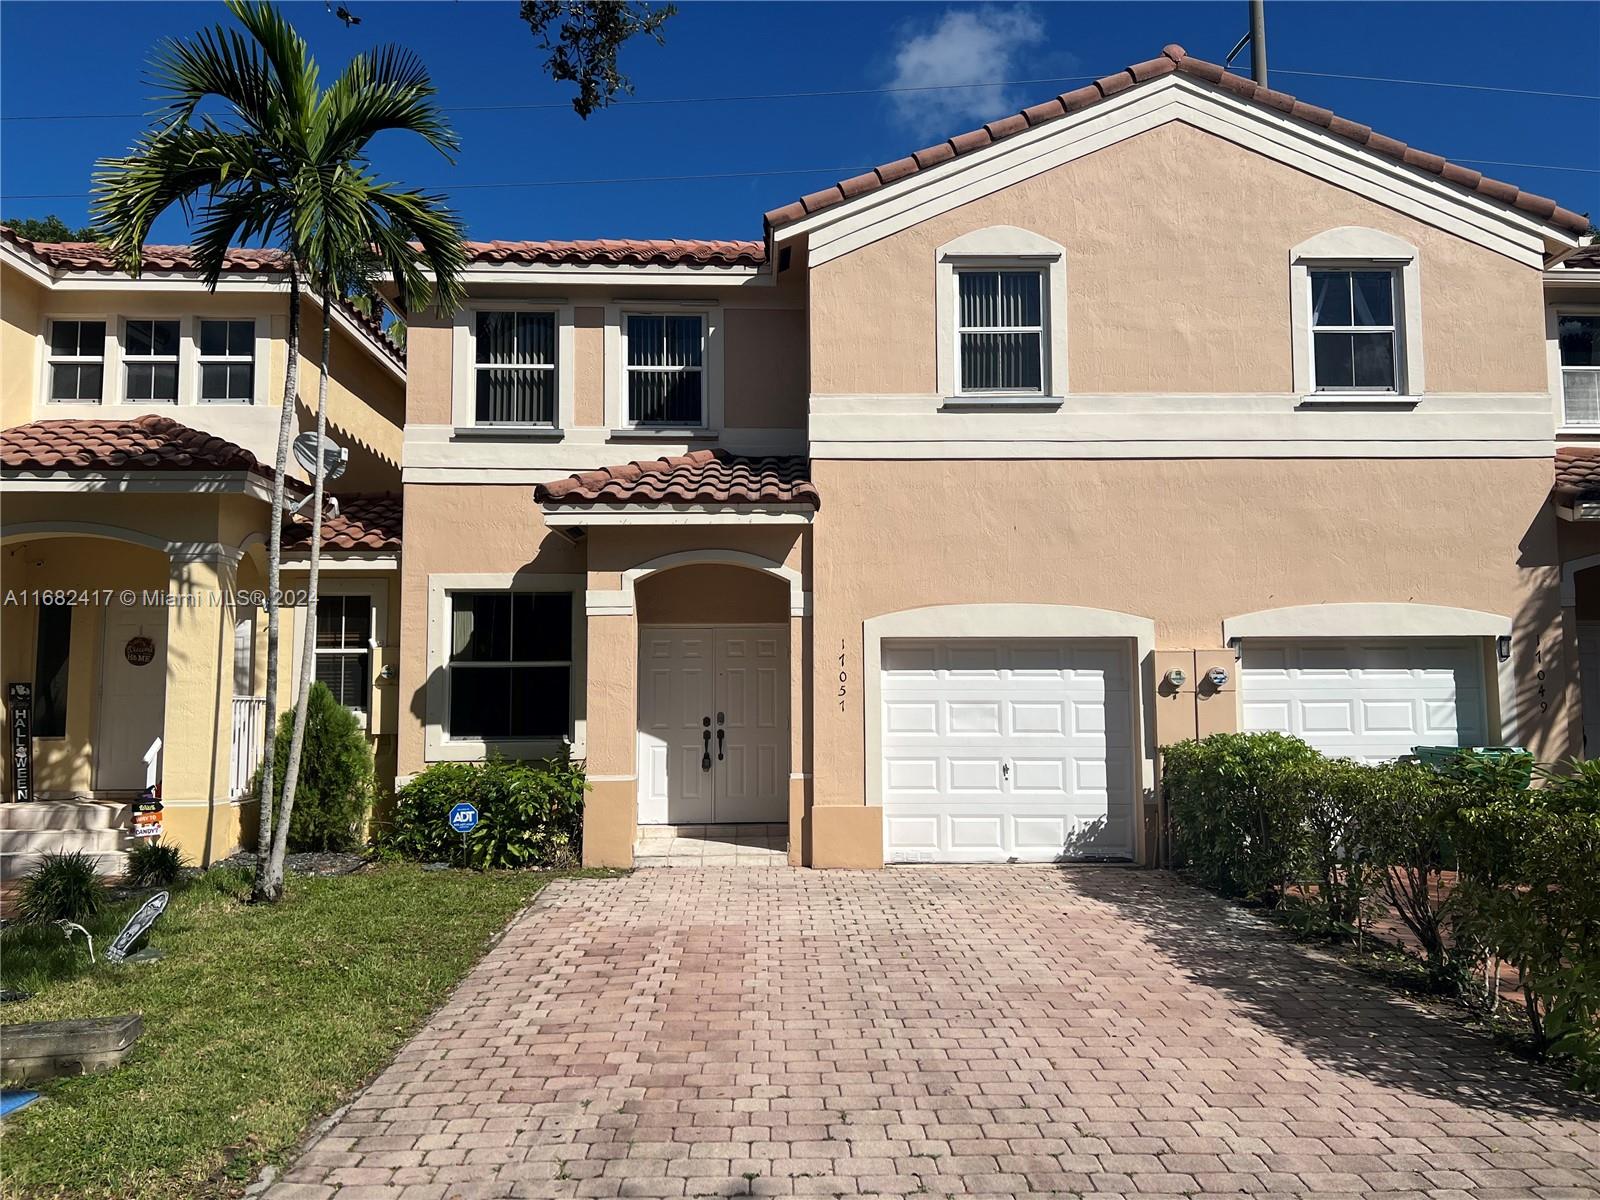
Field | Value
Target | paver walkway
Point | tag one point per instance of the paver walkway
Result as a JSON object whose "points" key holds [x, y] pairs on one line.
{"points": [[936, 1031]]}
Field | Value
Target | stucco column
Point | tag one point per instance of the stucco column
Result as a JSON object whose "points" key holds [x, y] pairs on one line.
{"points": [[611, 809], [799, 740], [197, 724]]}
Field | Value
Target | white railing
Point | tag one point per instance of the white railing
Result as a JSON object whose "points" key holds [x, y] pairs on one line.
{"points": [[249, 741]]}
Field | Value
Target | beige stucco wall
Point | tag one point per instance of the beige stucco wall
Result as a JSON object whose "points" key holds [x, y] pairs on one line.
{"points": [[1177, 246], [711, 595], [366, 404], [764, 348], [1188, 544]]}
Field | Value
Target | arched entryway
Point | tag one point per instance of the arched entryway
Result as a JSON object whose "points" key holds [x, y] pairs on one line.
{"points": [[713, 710]]}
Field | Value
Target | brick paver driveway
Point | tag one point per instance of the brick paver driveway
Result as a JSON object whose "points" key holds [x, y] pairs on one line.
{"points": [[945, 1031]]}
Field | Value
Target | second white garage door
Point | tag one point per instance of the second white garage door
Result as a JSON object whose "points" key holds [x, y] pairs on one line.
{"points": [[1006, 750], [1371, 700]]}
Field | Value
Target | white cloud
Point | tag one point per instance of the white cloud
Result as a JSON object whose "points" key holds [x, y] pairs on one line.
{"points": [[964, 46]]}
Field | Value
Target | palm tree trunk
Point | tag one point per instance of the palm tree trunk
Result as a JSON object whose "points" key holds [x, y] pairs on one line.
{"points": [[308, 649], [291, 389]]}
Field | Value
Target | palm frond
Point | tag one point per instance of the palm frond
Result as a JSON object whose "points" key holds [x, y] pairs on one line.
{"points": [[386, 90], [288, 55]]}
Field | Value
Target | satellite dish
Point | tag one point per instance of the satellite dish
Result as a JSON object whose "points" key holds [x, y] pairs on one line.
{"points": [[334, 458]]}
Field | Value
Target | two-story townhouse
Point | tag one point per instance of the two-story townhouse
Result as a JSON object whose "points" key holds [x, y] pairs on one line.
{"points": [[140, 424], [1572, 335], [1168, 406]]}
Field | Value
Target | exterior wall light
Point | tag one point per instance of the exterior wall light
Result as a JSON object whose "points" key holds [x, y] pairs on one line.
{"points": [[1502, 647]]}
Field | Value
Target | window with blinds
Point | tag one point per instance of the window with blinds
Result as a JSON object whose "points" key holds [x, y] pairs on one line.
{"points": [[344, 648], [1580, 367], [666, 369], [515, 364], [1000, 331]]}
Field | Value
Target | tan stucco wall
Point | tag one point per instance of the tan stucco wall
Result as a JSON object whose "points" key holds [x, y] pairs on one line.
{"points": [[766, 368], [589, 354], [428, 340], [1177, 245], [1188, 544], [712, 595], [366, 405]]}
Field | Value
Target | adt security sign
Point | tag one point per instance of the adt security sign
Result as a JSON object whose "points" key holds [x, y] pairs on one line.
{"points": [[464, 818]]}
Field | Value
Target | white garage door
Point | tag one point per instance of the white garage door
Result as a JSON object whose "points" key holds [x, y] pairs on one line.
{"points": [[1370, 700], [995, 751]]}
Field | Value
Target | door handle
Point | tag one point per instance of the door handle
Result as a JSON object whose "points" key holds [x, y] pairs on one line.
{"points": [[705, 753], [719, 745]]}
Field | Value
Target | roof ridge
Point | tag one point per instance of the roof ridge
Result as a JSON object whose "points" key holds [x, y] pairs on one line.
{"points": [[1174, 58]]}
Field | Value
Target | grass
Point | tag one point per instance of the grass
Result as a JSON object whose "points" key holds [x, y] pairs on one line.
{"points": [[257, 1021]]}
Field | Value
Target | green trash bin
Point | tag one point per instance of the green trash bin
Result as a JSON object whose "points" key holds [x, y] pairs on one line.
{"points": [[1441, 758]]}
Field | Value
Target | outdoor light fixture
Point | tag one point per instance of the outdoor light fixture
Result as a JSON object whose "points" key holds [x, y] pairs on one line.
{"points": [[1176, 677], [1502, 647]]}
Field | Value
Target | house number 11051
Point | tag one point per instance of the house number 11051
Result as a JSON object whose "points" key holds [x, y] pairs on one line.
{"points": [[844, 677]]}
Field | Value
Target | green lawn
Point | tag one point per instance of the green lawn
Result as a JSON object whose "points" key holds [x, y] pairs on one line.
{"points": [[257, 1021]]}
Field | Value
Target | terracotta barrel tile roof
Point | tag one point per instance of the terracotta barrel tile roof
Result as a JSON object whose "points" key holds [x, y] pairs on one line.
{"points": [[1577, 473], [1175, 59], [1586, 259], [630, 251], [366, 521], [149, 443], [699, 477]]}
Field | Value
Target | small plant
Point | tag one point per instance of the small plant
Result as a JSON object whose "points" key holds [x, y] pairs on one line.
{"points": [[530, 814], [65, 887], [334, 789], [154, 863]]}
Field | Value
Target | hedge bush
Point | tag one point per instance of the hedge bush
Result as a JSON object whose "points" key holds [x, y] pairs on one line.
{"points": [[1529, 894], [335, 785], [1233, 820], [530, 814]]}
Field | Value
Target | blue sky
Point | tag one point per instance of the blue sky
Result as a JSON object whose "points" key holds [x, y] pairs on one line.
{"points": [[481, 55]]}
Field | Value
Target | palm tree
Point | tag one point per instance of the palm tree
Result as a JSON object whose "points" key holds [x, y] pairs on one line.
{"points": [[286, 164]]}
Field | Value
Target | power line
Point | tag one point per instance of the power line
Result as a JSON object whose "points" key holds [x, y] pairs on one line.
{"points": [[1469, 87], [752, 97]]}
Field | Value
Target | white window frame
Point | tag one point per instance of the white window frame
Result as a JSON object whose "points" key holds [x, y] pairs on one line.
{"points": [[629, 370], [1558, 370], [1392, 328], [1041, 329], [1356, 248], [129, 359], [1002, 248], [712, 413], [106, 358], [464, 369], [365, 650], [437, 745], [203, 360]]}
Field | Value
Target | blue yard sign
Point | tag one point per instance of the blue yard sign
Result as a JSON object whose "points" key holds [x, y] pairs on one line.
{"points": [[464, 818]]}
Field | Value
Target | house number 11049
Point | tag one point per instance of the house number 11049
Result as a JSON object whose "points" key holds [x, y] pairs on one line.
{"points": [[844, 677]]}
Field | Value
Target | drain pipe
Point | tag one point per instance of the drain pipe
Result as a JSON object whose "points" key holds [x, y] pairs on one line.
{"points": [[1258, 42]]}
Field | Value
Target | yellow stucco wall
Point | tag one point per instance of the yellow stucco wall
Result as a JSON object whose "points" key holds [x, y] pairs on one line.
{"points": [[21, 312]]}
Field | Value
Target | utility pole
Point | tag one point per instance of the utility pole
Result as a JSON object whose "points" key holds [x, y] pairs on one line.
{"points": [[1256, 38], [1258, 42]]}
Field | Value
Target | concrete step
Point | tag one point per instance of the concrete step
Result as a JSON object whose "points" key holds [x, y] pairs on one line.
{"points": [[65, 814], [37, 841], [16, 867]]}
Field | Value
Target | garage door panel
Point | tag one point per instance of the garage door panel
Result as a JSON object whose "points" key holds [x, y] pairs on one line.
{"points": [[1368, 699], [1057, 711]]}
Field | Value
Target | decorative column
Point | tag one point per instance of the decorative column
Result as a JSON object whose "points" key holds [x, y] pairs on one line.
{"points": [[611, 808], [197, 724]]}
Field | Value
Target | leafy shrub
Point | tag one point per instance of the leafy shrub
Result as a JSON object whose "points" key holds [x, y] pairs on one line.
{"points": [[1529, 893], [1410, 816], [334, 789], [1330, 795], [530, 814], [154, 863], [64, 887], [1233, 820]]}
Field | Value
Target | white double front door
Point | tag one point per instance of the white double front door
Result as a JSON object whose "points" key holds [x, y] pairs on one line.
{"points": [[713, 724]]}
